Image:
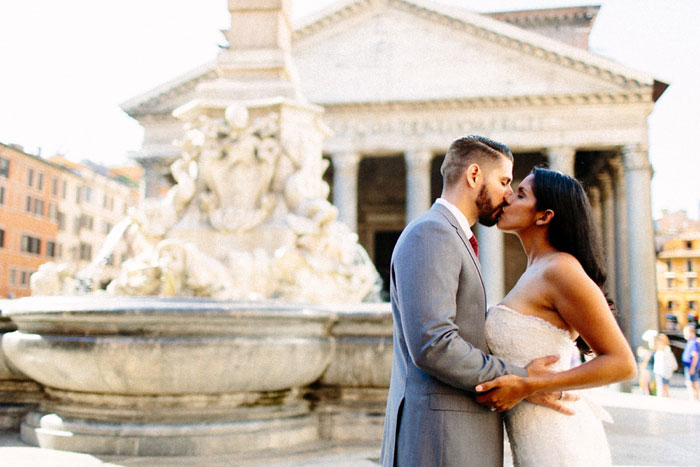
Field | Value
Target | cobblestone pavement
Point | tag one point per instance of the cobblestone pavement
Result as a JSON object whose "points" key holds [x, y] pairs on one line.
{"points": [[648, 431]]}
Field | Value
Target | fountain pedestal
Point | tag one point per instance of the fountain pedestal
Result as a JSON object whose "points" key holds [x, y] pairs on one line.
{"points": [[350, 398], [18, 394]]}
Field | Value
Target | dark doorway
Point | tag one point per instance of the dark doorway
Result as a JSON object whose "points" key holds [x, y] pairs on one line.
{"points": [[384, 243]]}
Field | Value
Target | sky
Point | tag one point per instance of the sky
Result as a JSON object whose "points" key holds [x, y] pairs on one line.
{"points": [[66, 66]]}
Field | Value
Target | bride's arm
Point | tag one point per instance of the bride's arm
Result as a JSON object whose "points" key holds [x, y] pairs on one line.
{"points": [[583, 306]]}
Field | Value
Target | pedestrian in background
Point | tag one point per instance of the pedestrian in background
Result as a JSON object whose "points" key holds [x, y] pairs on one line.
{"points": [[645, 357], [691, 368], [664, 365]]}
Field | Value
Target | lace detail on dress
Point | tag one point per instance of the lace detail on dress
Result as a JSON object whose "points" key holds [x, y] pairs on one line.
{"points": [[540, 436]]}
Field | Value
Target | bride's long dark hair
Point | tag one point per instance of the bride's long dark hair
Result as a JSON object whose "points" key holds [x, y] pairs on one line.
{"points": [[572, 229]]}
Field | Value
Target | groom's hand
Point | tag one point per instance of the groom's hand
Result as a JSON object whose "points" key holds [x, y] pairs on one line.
{"points": [[502, 393]]}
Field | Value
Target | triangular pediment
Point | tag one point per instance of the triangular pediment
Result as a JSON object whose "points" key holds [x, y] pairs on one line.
{"points": [[395, 50], [377, 51]]}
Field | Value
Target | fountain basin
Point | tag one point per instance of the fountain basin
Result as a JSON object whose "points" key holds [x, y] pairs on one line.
{"points": [[147, 345], [155, 376]]}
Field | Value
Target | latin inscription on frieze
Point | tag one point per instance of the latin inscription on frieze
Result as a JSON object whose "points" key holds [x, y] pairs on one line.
{"points": [[434, 126]]}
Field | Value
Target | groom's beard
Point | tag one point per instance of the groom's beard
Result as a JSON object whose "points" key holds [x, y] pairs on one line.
{"points": [[488, 214]]}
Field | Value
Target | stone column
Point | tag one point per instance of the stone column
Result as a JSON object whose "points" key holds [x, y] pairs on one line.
{"points": [[345, 167], [491, 257], [642, 257], [594, 196], [562, 158], [417, 183], [622, 286], [608, 228]]}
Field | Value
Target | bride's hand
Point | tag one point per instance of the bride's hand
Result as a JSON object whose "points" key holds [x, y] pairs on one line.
{"points": [[503, 393], [553, 400], [539, 366]]}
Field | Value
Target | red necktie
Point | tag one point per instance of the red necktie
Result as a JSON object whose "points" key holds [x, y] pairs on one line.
{"points": [[475, 245]]}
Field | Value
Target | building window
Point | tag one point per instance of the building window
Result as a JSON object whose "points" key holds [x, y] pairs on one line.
{"points": [[669, 305], [2, 195], [668, 265], [87, 194], [24, 278], [61, 221], [28, 205], [85, 252], [60, 251], [86, 222], [669, 283], [64, 189], [4, 167], [30, 244], [689, 265], [54, 186], [689, 245], [2, 238], [53, 212], [691, 282], [77, 195], [13, 276], [30, 177], [40, 181], [107, 228], [51, 249], [39, 207]]}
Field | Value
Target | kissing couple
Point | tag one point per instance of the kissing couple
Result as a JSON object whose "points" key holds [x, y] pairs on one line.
{"points": [[459, 372]]}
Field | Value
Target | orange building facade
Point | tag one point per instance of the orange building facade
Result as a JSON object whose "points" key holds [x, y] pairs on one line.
{"points": [[29, 196], [678, 266], [60, 211]]}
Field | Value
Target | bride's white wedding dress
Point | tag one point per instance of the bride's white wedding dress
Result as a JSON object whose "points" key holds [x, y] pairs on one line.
{"points": [[540, 436]]}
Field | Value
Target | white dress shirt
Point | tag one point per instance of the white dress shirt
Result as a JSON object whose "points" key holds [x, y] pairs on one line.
{"points": [[458, 215]]}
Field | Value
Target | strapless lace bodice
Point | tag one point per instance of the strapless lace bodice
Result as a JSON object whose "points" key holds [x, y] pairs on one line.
{"points": [[541, 437], [520, 338]]}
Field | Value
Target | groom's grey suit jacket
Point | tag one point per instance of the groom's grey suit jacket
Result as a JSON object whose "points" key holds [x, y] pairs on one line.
{"points": [[439, 308]]}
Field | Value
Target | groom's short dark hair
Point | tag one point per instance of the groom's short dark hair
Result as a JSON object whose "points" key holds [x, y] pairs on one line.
{"points": [[467, 150]]}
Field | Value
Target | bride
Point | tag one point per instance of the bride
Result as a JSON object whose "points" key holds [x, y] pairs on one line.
{"points": [[556, 301]]}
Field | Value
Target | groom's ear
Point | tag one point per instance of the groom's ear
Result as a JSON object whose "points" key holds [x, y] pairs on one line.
{"points": [[473, 173], [544, 217]]}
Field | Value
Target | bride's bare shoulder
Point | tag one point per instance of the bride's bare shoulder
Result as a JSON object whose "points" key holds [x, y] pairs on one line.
{"points": [[563, 268], [562, 263]]}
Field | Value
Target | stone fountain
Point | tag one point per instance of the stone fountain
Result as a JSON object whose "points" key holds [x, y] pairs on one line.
{"points": [[247, 317]]}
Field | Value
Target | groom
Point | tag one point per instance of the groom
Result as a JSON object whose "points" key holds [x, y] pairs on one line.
{"points": [[438, 303]]}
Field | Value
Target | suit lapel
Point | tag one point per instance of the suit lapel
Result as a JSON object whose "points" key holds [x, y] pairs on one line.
{"points": [[463, 236]]}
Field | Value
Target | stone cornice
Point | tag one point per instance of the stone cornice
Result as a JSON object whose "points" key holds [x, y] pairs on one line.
{"points": [[548, 16], [622, 97], [146, 104]]}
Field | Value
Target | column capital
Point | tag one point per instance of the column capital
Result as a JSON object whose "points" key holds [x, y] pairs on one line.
{"points": [[562, 158], [636, 157], [605, 184], [618, 169], [344, 161], [418, 159]]}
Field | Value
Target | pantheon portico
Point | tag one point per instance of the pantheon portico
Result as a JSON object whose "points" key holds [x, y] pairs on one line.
{"points": [[400, 80]]}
